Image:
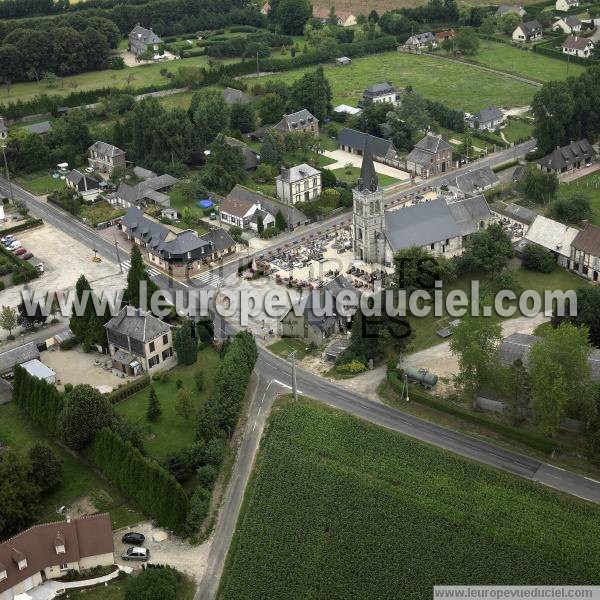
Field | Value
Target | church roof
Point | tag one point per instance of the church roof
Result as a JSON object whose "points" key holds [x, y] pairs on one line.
{"points": [[368, 176]]}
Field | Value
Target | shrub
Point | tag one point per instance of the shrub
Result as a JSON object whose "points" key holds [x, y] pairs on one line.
{"points": [[214, 451], [536, 258], [351, 368], [207, 476], [68, 344], [199, 380]]}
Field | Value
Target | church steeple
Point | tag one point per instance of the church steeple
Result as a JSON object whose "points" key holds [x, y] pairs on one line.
{"points": [[368, 176]]}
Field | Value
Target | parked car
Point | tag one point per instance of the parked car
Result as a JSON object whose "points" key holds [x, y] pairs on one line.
{"points": [[27, 256], [7, 239], [14, 245], [133, 538], [136, 553], [40, 267], [20, 251]]}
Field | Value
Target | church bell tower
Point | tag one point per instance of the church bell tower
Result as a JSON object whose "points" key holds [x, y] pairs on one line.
{"points": [[368, 213]]}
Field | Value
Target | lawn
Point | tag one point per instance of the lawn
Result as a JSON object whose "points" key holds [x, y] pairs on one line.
{"points": [[171, 432], [284, 346], [588, 185], [526, 63], [456, 84], [340, 508], [351, 174], [517, 129], [17, 431], [100, 212], [41, 183]]}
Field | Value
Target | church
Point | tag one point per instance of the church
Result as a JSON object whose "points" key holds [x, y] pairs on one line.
{"points": [[440, 226]]}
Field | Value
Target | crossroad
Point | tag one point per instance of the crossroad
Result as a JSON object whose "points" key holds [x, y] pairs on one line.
{"points": [[126, 264], [210, 279]]}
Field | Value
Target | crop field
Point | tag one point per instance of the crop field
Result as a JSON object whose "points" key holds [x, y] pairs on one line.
{"points": [[590, 187], [456, 84], [338, 508], [526, 63]]}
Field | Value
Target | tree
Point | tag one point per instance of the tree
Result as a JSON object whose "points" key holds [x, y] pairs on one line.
{"points": [[184, 405], [271, 107], [86, 325], [475, 342], [153, 584], [280, 221], [554, 109], [136, 275], [488, 250], [243, 117], [260, 225], [8, 319], [85, 412], [413, 111], [488, 26], [588, 313], [46, 467], [560, 377], [269, 152], [199, 380], [537, 185], [199, 504], [154, 410], [290, 15], [575, 209], [417, 269], [536, 258], [398, 130], [330, 198], [448, 45], [185, 345], [209, 114], [224, 166], [508, 23], [373, 16], [313, 92], [467, 40], [19, 496]]}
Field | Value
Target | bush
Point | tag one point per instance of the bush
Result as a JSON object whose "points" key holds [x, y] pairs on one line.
{"points": [[68, 344], [129, 389], [214, 451], [199, 380], [351, 368], [199, 504], [153, 584], [536, 258], [207, 476]]}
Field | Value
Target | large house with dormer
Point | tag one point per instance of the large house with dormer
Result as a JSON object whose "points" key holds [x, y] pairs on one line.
{"points": [[105, 158], [575, 155], [431, 156], [578, 46], [49, 551], [300, 121], [528, 32], [141, 40]]}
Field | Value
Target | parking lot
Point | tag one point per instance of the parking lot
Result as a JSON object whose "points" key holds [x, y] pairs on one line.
{"points": [[64, 260]]}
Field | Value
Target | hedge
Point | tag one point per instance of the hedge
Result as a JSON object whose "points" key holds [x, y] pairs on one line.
{"points": [[22, 226], [527, 438], [152, 487], [129, 389], [39, 399], [26, 271]]}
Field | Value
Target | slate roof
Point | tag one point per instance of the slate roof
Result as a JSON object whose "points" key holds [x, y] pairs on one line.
{"points": [[574, 42], [571, 20], [146, 189], [106, 149], [295, 120], [473, 181], [250, 157], [76, 176], [531, 27], [39, 128], [368, 179], [516, 212], [426, 148], [297, 173], [487, 115], [551, 235], [507, 8], [434, 221], [588, 240], [17, 356], [146, 36], [379, 89], [220, 239], [562, 158], [137, 324], [85, 537], [143, 173], [420, 38], [232, 96], [357, 140]]}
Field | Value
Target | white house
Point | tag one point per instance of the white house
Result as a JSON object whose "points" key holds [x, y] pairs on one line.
{"points": [[567, 24], [421, 40], [565, 5], [301, 183], [578, 46], [553, 236], [382, 92], [242, 208], [527, 32]]}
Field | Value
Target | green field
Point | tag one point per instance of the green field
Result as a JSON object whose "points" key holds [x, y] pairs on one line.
{"points": [[456, 84], [171, 432], [338, 508], [78, 480], [588, 185], [526, 63]]}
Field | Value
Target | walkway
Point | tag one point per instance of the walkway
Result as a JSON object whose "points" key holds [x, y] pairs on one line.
{"points": [[343, 158]]}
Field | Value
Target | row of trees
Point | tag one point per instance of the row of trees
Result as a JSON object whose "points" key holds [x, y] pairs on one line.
{"points": [[30, 54], [153, 488], [567, 110]]}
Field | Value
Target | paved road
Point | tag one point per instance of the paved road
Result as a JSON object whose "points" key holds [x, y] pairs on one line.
{"points": [[274, 374]]}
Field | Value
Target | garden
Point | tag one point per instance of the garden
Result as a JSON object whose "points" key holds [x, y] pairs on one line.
{"points": [[340, 508]]}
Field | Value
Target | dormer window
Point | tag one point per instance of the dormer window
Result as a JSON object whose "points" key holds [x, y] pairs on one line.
{"points": [[20, 559], [59, 543], [3, 573]]}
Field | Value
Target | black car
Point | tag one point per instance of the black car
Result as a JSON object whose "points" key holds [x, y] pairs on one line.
{"points": [[133, 538]]}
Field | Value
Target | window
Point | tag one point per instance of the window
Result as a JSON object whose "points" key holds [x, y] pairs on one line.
{"points": [[166, 338], [64, 567], [167, 353], [3, 575], [432, 246], [152, 347], [153, 361]]}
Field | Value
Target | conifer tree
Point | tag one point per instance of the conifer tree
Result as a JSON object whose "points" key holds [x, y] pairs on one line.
{"points": [[154, 410]]}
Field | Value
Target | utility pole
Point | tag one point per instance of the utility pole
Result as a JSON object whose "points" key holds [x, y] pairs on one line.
{"points": [[257, 66], [12, 199], [405, 389], [292, 357], [118, 256]]}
